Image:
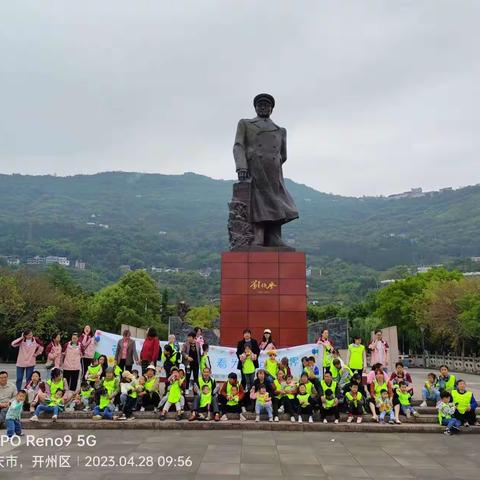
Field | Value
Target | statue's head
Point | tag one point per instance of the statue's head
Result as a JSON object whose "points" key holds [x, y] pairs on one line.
{"points": [[264, 104]]}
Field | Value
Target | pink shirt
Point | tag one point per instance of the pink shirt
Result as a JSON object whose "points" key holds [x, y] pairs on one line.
{"points": [[55, 355], [28, 351], [72, 358], [379, 352], [88, 345], [124, 348]]}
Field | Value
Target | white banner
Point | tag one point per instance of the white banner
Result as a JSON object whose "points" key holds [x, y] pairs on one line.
{"points": [[223, 359]]}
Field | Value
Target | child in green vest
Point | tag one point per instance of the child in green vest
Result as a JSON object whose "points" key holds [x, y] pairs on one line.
{"points": [[289, 399], [174, 395], [86, 396], [304, 403], [248, 368], [465, 403], [357, 356], [446, 410], [384, 405], [14, 414], [354, 402], [430, 390], [169, 359], [94, 372], [133, 388], [263, 403], [205, 403], [106, 394], [53, 405], [204, 358], [329, 406], [271, 366], [404, 397]]}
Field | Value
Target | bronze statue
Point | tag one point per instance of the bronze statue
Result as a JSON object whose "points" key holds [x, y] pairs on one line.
{"points": [[261, 203]]}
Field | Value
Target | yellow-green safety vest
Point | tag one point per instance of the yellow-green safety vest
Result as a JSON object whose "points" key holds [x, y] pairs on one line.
{"points": [[205, 399], [308, 387], [332, 387], [93, 371], [86, 393], [150, 383], [234, 401], [56, 386], [356, 356], [403, 398], [379, 388], [329, 403], [278, 386], [248, 366], [303, 399], [355, 400], [174, 392], [461, 400], [271, 366]]}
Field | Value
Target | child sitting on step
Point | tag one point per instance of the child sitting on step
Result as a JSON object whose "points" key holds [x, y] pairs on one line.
{"points": [[53, 405], [205, 403], [263, 403], [305, 403], [354, 402], [446, 409], [385, 407], [430, 390], [174, 395], [329, 406], [405, 400], [132, 388], [105, 396]]}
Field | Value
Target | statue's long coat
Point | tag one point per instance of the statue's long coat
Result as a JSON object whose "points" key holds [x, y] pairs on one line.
{"points": [[261, 147]]}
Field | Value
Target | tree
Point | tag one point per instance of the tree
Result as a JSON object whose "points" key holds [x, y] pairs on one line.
{"points": [[134, 300], [202, 316]]}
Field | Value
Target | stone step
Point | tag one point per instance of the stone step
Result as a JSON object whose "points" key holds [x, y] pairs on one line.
{"points": [[79, 415], [153, 424]]}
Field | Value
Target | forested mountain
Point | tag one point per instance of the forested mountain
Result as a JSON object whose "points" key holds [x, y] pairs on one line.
{"points": [[143, 220]]}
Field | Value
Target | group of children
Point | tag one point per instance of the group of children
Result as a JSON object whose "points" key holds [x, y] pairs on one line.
{"points": [[113, 394]]}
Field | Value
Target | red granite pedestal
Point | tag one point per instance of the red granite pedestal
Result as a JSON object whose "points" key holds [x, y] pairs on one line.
{"points": [[264, 289]]}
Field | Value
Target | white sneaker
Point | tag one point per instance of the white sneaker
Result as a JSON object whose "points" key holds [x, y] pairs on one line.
{"points": [[423, 404], [270, 419], [310, 419], [350, 419], [244, 410], [325, 420], [281, 409], [257, 418], [54, 418], [359, 419], [34, 418], [292, 419], [142, 409], [242, 417], [276, 419], [336, 420], [300, 419], [224, 418], [187, 391]]}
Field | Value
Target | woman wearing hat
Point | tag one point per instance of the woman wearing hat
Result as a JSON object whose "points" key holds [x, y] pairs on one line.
{"points": [[267, 342]]}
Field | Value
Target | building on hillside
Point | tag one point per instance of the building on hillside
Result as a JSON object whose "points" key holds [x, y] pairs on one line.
{"points": [[308, 271], [103, 225], [471, 274], [11, 260], [125, 268], [36, 260], [53, 259], [80, 265], [385, 283], [475, 259], [413, 193]]}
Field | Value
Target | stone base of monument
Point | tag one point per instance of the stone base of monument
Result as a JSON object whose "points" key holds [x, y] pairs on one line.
{"points": [[264, 289]]}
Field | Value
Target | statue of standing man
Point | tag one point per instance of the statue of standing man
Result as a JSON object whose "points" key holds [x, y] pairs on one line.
{"points": [[260, 150]]}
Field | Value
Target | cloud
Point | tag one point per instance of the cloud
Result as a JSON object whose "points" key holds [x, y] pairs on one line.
{"points": [[377, 96]]}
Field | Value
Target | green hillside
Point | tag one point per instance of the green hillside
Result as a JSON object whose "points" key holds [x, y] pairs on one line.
{"points": [[180, 221]]}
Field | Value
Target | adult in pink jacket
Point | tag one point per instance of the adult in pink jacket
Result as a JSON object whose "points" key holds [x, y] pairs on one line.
{"points": [[29, 347], [54, 352], [72, 362]]}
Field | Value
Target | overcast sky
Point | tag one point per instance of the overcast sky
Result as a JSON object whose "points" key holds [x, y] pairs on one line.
{"points": [[377, 96]]}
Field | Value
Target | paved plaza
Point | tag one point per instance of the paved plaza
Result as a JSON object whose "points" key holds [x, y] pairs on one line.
{"points": [[237, 454]]}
